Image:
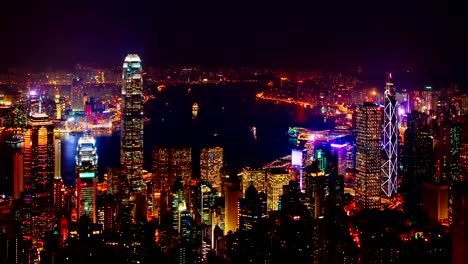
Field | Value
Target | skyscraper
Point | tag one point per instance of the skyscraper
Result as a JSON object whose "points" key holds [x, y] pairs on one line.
{"points": [[77, 90], [131, 138], [250, 209], [276, 179], [390, 139], [255, 177], [459, 203], [18, 175], [38, 177], [211, 163], [169, 163], [368, 135], [86, 177], [59, 189]]}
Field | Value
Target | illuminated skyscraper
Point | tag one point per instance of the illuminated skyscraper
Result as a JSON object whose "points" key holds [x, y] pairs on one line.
{"points": [[38, 177], [253, 177], [232, 194], [177, 203], [77, 92], [58, 107], [169, 163], [207, 201], [368, 135], [459, 204], [34, 103], [131, 138], [340, 149], [211, 163], [276, 178], [59, 189], [86, 177], [18, 175], [390, 140]]}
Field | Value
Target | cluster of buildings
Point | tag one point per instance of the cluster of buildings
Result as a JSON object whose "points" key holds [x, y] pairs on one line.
{"points": [[342, 196]]}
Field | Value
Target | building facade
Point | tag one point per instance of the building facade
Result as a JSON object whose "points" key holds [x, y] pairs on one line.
{"points": [[368, 158], [131, 138], [38, 177], [86, 177]]}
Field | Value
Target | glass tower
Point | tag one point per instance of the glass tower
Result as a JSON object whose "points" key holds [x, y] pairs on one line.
{"points": [[368, 136], [131, 141], [38, 177], [390, 140], [86, 173]]}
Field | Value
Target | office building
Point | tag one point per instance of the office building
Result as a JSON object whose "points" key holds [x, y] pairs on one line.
{"points": [[59, 188], [211, 163], [18, 174], [77, 94], [368, 136], [131, 137], [86, 177], [341, 151], [255, 177], [207, 201], [232, 192], [38, 177], [435, 201], [178, 204], [459, 204], [169, 163], [316, 188], [390, 140], [276, 178], [250, 209]]}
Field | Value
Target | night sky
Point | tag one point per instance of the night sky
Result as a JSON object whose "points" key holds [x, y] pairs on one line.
{"points": [[297, 34]]}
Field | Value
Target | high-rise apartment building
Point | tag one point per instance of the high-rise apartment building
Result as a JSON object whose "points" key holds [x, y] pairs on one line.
{"points": [[131, 138], [86, 177], [38, 177], [368, 162]]}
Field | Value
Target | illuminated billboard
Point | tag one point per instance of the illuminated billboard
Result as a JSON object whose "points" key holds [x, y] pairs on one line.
{"points": [[296, 158], [87, 174]]}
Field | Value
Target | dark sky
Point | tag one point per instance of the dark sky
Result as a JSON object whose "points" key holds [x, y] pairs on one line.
{"points": [[310, 34]]}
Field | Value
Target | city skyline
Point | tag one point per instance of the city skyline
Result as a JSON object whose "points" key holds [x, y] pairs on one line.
{"points": [[233, 132]]}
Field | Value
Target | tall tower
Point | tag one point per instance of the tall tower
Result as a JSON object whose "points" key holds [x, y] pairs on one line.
{"points": [[390, 140], [368, 135], [86, 176], [77, 88], [131, 139], [38, 177], [59, 189]]}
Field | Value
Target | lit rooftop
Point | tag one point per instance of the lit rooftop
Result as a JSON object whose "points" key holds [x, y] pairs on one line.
{"points": [[132, 58]]}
